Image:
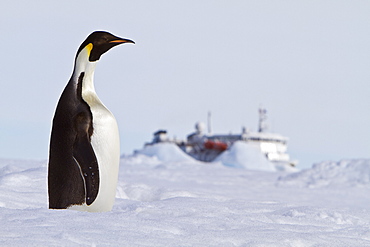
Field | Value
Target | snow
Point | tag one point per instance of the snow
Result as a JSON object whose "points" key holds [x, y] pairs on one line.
{"points": [[245, 155], [167, 152], [346, 173], [167, 199]]}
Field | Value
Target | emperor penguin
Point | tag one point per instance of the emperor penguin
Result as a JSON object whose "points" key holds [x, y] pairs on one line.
{"points": [[84, 148]]}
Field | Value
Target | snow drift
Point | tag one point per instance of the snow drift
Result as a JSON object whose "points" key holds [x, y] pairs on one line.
{"points": [[345, 173], [245, 155], [167, 152], [240, 155]]}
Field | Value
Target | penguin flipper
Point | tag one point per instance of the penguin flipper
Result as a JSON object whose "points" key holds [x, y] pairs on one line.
{"points": [[85, 157]]}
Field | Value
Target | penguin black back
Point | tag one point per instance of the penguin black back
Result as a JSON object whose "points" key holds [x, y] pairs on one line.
{"points": [[65, 183]]}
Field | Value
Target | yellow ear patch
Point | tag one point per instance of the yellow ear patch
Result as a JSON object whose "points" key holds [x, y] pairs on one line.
{"points": [[89, 47]]}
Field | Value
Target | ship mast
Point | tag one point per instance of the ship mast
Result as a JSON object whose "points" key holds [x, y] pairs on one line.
{"points": [[209, 123], [262, 123]]}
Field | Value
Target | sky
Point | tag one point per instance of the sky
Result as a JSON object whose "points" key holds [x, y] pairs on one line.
{"points": [[306, 62]]}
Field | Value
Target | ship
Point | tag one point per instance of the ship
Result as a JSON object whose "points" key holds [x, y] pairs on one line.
{"points": [[207, 147]]}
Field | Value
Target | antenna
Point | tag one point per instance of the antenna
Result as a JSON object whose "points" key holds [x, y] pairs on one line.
{"points": [[262, 125], [209, 123]]}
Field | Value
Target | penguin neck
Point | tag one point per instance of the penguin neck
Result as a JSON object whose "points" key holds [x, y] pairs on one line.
{"points": [[85, 68], [87, 71]]}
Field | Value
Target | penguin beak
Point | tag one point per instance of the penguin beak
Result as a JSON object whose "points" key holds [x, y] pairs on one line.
{"points": [[121, 41]]}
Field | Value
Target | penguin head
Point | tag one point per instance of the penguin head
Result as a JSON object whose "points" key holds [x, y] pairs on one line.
{"points": [[99, 42]]}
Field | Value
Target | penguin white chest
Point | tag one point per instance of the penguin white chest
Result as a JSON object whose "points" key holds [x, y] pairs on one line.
{"points": [[106, 145], [105, 142]]}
